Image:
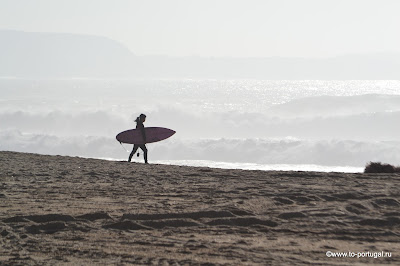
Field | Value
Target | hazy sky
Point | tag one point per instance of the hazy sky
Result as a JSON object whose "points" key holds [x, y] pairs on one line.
{"points": [[238, 28]]}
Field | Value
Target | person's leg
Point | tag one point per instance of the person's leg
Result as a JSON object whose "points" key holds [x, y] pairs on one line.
{"points": [[135, 147], [144, 149]]}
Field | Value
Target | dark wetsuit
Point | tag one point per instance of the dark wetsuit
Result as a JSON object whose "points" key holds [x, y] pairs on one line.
{"points": [[140, 126]]}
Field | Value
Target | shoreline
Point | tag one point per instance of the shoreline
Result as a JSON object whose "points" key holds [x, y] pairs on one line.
{"points": [[71, 210], [232, 165], [264, 167]]}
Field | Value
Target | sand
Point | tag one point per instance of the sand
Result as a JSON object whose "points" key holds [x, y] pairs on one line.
{"points": [[75, 211]]}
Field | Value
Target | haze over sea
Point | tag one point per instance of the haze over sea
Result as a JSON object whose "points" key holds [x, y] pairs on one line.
{"points": [[247, 124]]}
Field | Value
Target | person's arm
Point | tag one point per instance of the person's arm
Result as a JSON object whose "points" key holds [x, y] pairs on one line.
{"points": [[143, 133]]}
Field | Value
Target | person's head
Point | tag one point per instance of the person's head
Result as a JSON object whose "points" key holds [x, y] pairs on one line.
{"points": [[142, 117]]}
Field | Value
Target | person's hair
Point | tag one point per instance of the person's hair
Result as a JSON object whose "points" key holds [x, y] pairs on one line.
{"points": [[141, 116]]}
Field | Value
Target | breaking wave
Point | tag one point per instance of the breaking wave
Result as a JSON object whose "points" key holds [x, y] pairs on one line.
{"points": [[363, 126], [350, 125], [261, 151]]}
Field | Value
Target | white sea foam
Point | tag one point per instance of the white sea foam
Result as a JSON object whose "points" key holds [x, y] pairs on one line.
{"points": [[263, 167]]}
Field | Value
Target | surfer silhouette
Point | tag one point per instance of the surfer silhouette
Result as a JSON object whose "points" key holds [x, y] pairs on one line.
{"points": [[139, 125]]}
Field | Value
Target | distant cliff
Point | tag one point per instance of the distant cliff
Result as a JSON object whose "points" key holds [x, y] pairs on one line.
{"points": [[59, 55], [48, 55]]}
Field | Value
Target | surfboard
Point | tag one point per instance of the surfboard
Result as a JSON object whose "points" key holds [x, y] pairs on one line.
{"points": [[153, 134]]}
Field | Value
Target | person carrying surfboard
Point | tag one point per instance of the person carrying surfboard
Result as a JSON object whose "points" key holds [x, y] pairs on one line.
{"points": [[139, 125]]}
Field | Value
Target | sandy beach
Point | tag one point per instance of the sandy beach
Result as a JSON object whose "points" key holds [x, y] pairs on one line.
{"points": [[58, 210]]}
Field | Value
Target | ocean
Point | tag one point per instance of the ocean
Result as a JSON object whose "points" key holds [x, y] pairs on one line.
{"points": [[243, 124]]}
